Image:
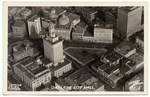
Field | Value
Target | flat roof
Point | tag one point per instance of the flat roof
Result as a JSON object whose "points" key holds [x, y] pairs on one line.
{"points": [[45, 61], [104, 66], [125, 47], [110, 70], [18, 23], [86, 9], [97, 64], [116, 77], [38, 69], [31, 69], [66, 62], [113, 56], [123, 69], [57, 41], [62, 82], [82, 77], [137, 58], [73, 16], [26, 61]]}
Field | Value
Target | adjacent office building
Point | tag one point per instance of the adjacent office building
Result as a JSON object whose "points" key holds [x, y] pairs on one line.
{"points": [[32, 72], [129, 20], [34, 25], [103, 34]]}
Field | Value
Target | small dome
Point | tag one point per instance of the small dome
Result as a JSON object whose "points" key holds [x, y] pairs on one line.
{"points": [[63, 20]]}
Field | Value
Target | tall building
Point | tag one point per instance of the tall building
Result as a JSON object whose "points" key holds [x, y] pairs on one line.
{"points": [[34, 25], [129, 20], [53, 50], [53, 47]]}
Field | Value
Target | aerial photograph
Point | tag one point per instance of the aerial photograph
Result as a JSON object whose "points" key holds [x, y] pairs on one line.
{"points": [[75, 48]]}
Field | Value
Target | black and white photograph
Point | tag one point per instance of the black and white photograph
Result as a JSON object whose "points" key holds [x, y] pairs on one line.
{"points": [[72, 48]]}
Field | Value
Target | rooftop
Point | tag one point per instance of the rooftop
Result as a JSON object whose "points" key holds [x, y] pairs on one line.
{"points": [[60, 65], [45, 61], [123, 69], [31, 68], [97, 64], [129, 8], [65, 20], [86, 10], [62, 82], [80, 76], [137, 58], [79, 28], [125, 47], [18, 23], [112, 57], [115, 76], [103, 67], [110, 70], [37, 69], [128, 62]]}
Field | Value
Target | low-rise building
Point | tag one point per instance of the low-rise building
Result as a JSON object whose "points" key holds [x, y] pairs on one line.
{"points": [[88, 13], [51, 14], [78, 31], [110, 74], [125, 49], [62, 85], [19, 29], [130, 64], [23, 13], [88, 36], [138, 60], [112, 58], [85, 80], [23, 49], [32, 73]]}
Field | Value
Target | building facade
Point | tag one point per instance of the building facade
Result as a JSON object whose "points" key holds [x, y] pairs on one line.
{"points": [[32, 73], [103, 35], [131, 21], [34, 25], [22, 50], [19, 29]]}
